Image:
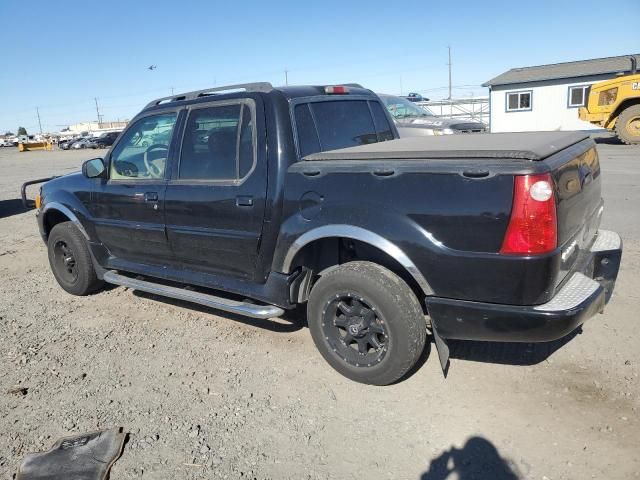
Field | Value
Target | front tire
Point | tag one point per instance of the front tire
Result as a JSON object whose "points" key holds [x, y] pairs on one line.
{"points": [[366, 322], [628, 125], [70, 260]]}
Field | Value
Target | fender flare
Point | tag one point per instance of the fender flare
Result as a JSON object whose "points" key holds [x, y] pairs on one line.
{"points": [[67, 212], [363, 235]]}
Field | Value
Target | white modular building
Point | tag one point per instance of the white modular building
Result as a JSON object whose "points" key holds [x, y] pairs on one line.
{"points": [[547, 97]]}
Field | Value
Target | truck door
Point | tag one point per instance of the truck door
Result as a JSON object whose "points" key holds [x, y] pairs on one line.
{"points": [[128, 207], [215, 199]]}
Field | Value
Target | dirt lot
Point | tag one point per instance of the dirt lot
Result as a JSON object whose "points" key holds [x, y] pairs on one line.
{"points": [[206, 395]]}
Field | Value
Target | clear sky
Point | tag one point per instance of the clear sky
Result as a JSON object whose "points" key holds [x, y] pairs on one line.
{"points": [[60, 55]]}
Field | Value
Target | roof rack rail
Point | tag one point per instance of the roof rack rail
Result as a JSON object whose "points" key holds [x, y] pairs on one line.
{"points": [[249, 87]]}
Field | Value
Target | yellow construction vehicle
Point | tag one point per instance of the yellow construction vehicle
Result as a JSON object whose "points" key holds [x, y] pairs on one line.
{"points": [[615, 104]]}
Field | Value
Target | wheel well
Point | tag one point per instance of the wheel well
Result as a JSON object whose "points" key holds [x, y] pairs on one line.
{"points": [[626, 104], [52, 218], [324, 253]]}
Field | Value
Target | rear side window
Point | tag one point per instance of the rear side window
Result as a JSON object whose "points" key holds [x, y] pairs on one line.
{"points": [[330, 125], [383, 128], [245, 147], [218, 144], [307, 135]]}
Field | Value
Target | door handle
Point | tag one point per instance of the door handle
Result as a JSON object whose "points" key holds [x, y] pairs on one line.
{"points": [[151, 197], [244, 201]]}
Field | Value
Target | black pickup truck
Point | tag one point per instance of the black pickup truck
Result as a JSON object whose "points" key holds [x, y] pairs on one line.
{"points": [[254, 200]]}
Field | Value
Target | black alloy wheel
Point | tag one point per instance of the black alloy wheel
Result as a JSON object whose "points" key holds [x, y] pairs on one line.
{"points": [[65, 261], [355, 330]]}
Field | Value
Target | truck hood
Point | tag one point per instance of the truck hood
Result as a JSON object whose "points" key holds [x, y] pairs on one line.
{"points": [[64, 181]]}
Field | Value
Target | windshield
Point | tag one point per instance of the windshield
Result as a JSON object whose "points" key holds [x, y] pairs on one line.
{"points": [[403, 108]]}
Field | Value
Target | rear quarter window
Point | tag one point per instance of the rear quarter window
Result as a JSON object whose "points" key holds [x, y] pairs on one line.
{"points": [[308, 142], [330, 125]]}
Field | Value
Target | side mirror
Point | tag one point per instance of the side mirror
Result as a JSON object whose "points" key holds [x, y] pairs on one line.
{"points": [[94, 168]]}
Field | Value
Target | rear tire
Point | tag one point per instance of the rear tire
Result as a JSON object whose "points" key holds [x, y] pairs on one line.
{"points": [[70, 260], [628, 125], [366, 322]]}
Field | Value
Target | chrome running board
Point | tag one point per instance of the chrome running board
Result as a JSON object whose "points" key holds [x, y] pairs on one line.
{"points": [[225, 304]]}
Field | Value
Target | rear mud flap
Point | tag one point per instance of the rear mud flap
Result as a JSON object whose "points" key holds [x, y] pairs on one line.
{"points": [[442, 348]]}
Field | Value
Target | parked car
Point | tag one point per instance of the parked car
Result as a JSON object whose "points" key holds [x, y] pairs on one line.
{"points": [[66, 144], [105, 140], [305, 196], [416, 97], [84, 142], [413, 120]]}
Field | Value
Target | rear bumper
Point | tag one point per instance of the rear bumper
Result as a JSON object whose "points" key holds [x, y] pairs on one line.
{"points": [[583, 295]]}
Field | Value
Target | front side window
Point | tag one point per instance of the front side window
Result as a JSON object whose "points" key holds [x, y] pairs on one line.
{"points": [[143, 151], [218, 144], [519, 101], [577, 96]]}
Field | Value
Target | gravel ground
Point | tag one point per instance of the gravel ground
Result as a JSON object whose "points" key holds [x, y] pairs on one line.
{"points": [[205, 395]]}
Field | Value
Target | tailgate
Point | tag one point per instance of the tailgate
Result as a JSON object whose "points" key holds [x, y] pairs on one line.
{"points": [[576, 173]]}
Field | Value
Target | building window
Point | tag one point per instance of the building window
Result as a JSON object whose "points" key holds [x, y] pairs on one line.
{"points": [[577, 96], [519, 101]]}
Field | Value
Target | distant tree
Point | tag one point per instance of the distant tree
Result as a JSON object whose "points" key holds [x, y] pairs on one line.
{"points": [[22, 131]]}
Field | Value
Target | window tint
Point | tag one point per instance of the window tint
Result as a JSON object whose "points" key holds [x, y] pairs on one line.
{"points": [[307, 136], [382, 123], [343, 124], [142, 152], [211, 140]]}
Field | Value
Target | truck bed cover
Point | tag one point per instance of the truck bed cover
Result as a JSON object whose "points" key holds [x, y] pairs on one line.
{"points": [[535, 146]]}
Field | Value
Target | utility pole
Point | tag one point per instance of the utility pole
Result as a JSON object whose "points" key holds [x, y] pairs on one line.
{"points": [[286, 76], [401, 92], [98, 112], [449, 64], [39, 122], [171, 90]]}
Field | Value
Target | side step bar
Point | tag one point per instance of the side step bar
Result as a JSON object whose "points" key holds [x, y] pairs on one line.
{"points": [[227, 305]]}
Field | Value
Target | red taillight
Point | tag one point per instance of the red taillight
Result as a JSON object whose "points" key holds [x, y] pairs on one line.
{"points": [[336, 89], [533, 227]]}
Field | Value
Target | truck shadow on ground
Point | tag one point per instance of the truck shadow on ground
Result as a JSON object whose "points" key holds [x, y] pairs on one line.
{"points": [[523, 354], [478, 459], [11, 207], [508, 353]]}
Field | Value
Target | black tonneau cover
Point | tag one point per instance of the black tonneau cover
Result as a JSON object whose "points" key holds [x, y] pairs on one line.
{"points": [[534, 146]]}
